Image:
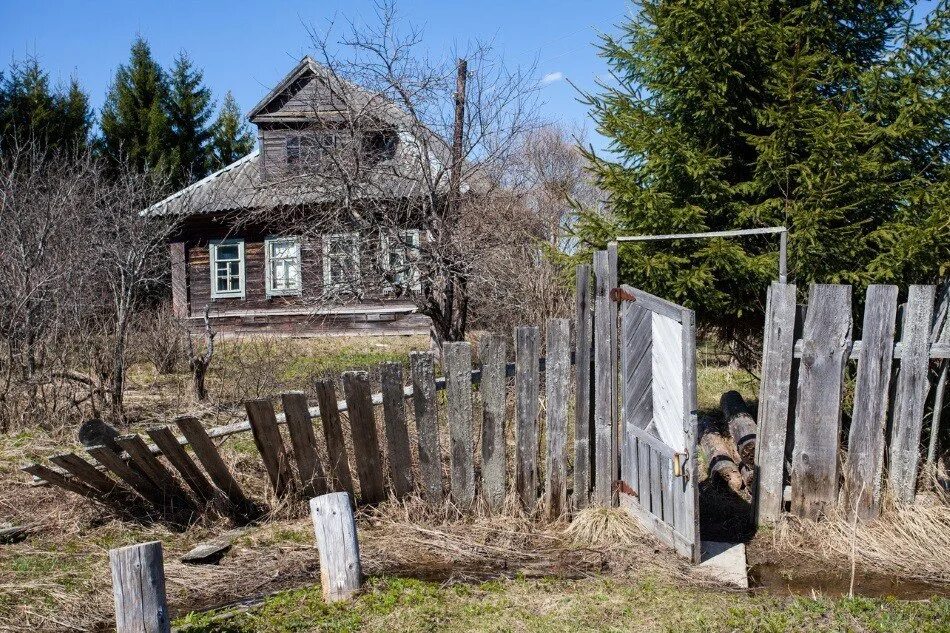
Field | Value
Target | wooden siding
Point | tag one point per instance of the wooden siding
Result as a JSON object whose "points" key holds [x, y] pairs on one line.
{"points": [[179, 279]]}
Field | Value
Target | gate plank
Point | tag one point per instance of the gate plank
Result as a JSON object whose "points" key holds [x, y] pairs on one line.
{"points": [[865, 457], [604, 395], [667, 384], [774, 400], [526, 415], [636, 352], [338, 465], [691, 431], [260, 413], [397, 433], [458, 389], [582, 412], [427, 427], [826, 345], [492, 354], [557, 387], [911, 394], [369, 459], [304, 443]]}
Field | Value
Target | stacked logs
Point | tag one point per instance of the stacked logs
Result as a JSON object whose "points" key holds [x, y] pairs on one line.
{"points": [[729, 444]]}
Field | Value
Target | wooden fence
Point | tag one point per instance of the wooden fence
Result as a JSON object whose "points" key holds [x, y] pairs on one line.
{"points": [[807, 350]]}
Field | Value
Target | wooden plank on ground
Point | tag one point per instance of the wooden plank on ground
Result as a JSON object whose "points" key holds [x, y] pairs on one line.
{"points": [[526, 415], [175, 453], [582, 374], [338, 466], [427, 425], [492, 352], [366, 450], [865, 458], [557, 387], [260, 413], [313, 481], [827, 343], [207, 454], [458, 389], [603, 384], [911, 394], [397, 432]]}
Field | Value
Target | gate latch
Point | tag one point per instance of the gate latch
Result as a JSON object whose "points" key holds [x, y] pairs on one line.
{"points": [[619, 294], [678, 459]]}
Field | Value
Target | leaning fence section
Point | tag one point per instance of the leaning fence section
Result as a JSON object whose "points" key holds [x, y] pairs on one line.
{"points": [[806, 352]]}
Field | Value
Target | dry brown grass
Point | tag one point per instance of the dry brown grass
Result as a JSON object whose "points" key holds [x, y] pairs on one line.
{"points": [[911, 542]]}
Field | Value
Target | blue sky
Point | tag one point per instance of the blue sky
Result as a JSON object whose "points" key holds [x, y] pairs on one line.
{"points": [[247, 47]]}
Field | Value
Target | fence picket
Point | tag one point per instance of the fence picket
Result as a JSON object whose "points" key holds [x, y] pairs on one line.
{"points": [[366, 450], [911, 394], [526, 415], [338, 466], [557, 388], [865, 457], [582, 374], [458, 389], [775, 396], [213, 464], [397, 433], [826, 346], [300, 428], [175, 453], [492, 352], [427, 425], [270, 445]]}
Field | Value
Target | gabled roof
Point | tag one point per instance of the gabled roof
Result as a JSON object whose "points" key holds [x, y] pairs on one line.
{"points": [[305, 65]]}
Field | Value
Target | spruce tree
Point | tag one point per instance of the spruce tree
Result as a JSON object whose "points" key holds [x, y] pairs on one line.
{"points": [[741, 114], [231, 138], [189, 109], [135, 126]]}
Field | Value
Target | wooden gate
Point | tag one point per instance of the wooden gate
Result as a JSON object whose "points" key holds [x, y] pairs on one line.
{"points": [[658, 434]]}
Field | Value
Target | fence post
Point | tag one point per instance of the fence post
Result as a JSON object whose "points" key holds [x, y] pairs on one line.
{"points": [[582, 420], [604, 394], [335, 529], [557, 387], [138, 585], [526, 415]]}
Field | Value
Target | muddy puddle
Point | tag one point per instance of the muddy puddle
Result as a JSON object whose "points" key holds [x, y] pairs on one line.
{"points": [[781, 580]]}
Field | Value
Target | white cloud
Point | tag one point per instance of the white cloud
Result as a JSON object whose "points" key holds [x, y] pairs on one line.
{"points": [[550, 78]]}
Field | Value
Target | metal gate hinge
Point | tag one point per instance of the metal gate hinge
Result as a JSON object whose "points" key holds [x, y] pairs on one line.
{"points": [[619, 294]]}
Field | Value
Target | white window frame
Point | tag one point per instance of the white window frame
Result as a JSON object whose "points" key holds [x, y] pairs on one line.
{"points": [[330, 286], [386, 242], [213, 260], [269, 288]]}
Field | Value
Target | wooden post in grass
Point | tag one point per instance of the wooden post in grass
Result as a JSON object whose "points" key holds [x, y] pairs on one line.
{"points": [[335, 531], [138, 585]]}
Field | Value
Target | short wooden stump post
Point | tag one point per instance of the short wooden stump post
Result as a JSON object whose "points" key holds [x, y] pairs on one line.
{"points": [[138, 584], [335, 528]]}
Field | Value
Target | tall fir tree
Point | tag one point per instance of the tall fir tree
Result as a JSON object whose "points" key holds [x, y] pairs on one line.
{"points": [[59, 118], [189, 110], [135, 125], [738, 114], [231, 138]]}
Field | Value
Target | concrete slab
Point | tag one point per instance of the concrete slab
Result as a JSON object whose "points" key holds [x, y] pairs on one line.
{"points": [[725, 562]]}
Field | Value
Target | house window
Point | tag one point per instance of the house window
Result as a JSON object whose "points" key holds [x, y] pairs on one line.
{"points": [[341, 262], [311, 147], [282, 263], [380, 146], [227, 268], [293, 150], [399, 253]]}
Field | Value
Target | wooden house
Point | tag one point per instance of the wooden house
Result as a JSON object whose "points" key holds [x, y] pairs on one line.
{"points": [[234, 252]]}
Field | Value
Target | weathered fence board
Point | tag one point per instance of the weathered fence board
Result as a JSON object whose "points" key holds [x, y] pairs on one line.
{"points": [[156, 471], [604, 396], [60, 480], [557, 387], [526, 415], [397, 433], [865, 457], [613, 281], [175, 453], [366, 449], [338, 467], [427, 425], [341, 573], [86, 473], [911, 394], [458, 389], [135, 479], [582, 374], [214, 465], [300, 428], [827, 342], [636, 363], [492, 353], [667, 384], [138, 586], [270, 445]]}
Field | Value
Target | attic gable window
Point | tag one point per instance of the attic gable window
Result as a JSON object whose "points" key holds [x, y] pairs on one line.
{"points": [[282, 266], [227, 268], [311, 147]]}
